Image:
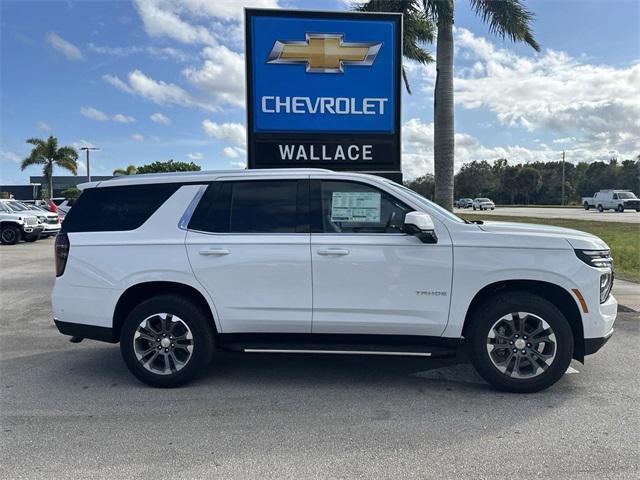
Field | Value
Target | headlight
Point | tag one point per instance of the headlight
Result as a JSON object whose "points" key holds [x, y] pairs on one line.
{"points": [[600, 259], [606, 282], [596, 258]]}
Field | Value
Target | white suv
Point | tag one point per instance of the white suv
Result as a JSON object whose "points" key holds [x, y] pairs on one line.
{"points": [[173, 266]]}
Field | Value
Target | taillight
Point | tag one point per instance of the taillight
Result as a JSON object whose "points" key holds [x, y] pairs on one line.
{"points": [[62, 252]]}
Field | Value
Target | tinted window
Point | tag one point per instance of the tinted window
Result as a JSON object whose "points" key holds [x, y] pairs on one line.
{"points": [[116, 208], [249, 207], [350, 207]]}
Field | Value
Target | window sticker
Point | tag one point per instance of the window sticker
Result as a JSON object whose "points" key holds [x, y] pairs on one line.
{"points": [[355, 207]]}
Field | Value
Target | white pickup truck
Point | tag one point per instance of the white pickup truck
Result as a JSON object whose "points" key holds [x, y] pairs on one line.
{"points": [[618, 200]]}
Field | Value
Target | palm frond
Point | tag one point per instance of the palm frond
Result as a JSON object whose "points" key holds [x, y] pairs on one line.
{"points": [[507, 19], [417, 28]]}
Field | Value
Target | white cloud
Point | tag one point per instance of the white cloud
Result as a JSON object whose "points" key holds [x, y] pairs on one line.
{"points": [[162, 18], [221, 75], [195, 156], [230, 152], [233, 132], [183, 20], [238, 164], [121, 118], [156, 91], [598, 105], [417, 150], [137, 137], [78, 144], [9, 156], [160, 118], [116, 82], [94, 114], [43, 126], [59, 44], [164, 53]]}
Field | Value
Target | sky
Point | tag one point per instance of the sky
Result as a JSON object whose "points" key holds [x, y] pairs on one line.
{"points": [[164, 79]]}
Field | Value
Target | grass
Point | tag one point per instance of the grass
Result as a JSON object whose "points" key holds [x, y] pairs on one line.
{"points": [[622, 238]]}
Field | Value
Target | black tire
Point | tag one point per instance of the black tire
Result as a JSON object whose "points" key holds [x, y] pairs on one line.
{"points": [[600, 208], [10, 234], [32, 237], [196, 320], [490, 312], [620, 208], [637, 209], [474, 207], [586, 206]]}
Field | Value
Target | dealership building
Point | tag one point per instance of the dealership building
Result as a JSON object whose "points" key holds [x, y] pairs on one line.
{"points": [[36, 183]]}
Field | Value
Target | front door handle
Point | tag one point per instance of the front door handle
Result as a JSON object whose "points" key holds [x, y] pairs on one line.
{"points": [[215, 252], [334, 251]]}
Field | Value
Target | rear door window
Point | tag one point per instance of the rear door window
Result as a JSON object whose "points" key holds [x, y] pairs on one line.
{"points": [[112, 209], [257, 206]]}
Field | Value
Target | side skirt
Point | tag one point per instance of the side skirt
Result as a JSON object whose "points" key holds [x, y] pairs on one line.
{"points": [[340, 344]]}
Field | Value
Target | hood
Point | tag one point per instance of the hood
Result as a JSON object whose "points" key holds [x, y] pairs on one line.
{"points": [[576, 238]]}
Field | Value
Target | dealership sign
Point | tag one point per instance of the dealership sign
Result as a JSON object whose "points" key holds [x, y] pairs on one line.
{"points": [[323, 90]]}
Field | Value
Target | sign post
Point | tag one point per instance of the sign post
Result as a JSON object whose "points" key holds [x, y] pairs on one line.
{"points": [[323, 90]]}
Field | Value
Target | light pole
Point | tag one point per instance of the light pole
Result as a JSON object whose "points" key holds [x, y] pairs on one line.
{"points": [[562, 178], [87, 149]]}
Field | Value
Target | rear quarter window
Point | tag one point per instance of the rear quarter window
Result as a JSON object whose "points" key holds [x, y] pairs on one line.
{"points": [[112, 209]]}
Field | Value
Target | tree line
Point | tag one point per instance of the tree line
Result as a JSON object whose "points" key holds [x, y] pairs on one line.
{"points": [[536, 182]]}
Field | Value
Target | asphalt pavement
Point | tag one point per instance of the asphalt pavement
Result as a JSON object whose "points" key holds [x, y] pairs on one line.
{"points": [[628, 216], [73, 411]]}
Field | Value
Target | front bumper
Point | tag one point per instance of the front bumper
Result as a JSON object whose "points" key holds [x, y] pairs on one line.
{"points": [[51, 228], [32, 229], [592, 345]]}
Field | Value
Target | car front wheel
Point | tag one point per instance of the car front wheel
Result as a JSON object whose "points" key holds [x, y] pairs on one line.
{"points": [[520, 342], [620, 208], [600, 208], [166, 341], [10, 235]]}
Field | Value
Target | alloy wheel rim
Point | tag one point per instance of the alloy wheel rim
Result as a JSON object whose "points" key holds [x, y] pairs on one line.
{"points": [[521, 345], [8, 235], [163, 343]]}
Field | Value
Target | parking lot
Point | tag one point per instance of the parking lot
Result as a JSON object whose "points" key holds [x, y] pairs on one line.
{"points": [[628, 216], [73, 410]]}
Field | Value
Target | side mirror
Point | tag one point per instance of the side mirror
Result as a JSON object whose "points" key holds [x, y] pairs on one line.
{"points": [[421, 225]]}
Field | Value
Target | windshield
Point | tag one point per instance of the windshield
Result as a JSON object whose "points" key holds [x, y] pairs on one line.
{"points": [[626, 195], [484, 200], [3, 207], [17, 206], [427, 203]]}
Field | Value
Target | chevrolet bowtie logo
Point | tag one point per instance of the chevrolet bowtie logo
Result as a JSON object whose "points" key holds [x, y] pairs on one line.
{"points": [[324, 53]]}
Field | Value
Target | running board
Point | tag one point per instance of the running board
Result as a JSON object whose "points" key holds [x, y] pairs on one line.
{"points": [[322, 344], [339, 352]]}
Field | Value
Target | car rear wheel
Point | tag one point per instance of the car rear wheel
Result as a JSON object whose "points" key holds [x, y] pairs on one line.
{"points": [[166, 341], [10, 235], [520, 342], [586, 206]]}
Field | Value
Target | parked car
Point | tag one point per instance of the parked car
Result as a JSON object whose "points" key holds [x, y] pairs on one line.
{"points": [[619, 200], [15, 226], [483, 204], [173, 266], [65, 205], [50, 221], [464, 203]]}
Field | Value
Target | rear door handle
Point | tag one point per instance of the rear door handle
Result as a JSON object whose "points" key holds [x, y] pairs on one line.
{"points": [[333, 251], [215, 252]]}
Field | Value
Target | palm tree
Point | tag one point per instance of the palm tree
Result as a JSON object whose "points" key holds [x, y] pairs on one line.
{"points": [[507, 19], [130, 170], [416, 29], [47, 153]]}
